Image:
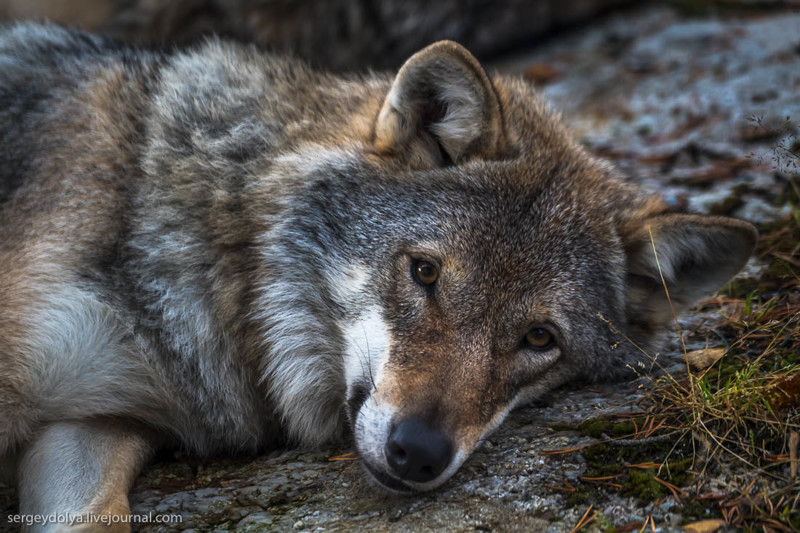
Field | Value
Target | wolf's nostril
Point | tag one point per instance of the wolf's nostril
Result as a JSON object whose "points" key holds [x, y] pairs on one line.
{"points": [[397, 453], [416, 452]]}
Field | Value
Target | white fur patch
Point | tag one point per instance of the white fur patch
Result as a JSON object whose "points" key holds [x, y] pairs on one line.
{"points": [[313, 157], [367, 345], [307, 366], [367, 341], [372, 427], [349, 287], [80, 364], [304, 371]]}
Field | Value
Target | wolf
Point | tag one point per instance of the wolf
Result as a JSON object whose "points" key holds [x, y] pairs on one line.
{"points": [[221, 250]]}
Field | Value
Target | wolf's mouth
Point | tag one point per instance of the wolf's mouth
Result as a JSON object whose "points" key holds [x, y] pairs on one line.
{"points": [[386, 481], [356, 400]]}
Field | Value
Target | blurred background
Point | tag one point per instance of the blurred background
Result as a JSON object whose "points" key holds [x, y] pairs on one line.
{"points": [[336, 34]]}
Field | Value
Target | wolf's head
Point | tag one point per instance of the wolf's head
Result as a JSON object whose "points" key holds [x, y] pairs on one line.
{"points": [[466, 257]]}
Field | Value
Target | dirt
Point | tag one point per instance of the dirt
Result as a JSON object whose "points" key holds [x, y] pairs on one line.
{"points": [[690, 106]]}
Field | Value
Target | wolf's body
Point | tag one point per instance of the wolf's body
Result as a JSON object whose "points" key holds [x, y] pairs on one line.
{"points": [[222, 250]]}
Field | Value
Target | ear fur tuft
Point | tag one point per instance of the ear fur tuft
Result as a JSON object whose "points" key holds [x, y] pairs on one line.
{"points": [[443, 100]]}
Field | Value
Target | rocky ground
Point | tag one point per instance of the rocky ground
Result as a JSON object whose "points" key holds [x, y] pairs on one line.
{"points": [[691, 106]]}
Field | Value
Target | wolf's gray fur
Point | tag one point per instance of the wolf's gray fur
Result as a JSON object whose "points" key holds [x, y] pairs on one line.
{"points": [[216, 249]]}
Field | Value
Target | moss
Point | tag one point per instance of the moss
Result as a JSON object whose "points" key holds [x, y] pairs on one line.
{"points": [[546, 514], [790, 195], [697, 182], [744, 287], [604, 459], [583, 495], [621, 429], [740, 288], [561, 426], [780, 270], [792, 519], [782, 357], [692, 510], [727, 205], [679, 472], [641, 484], [604, 524], [595, 427], [780, 235]]}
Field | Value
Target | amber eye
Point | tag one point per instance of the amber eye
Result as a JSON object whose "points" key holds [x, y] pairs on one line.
{"points": [[424, 272], [539, 339]]}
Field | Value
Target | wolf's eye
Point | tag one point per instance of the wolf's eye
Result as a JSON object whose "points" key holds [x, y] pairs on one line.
{"points": [[539, 339], [424, 272]]}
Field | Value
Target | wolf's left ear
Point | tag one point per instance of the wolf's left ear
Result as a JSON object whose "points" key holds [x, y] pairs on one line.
{"points": [[697, 255], [443, 102]]}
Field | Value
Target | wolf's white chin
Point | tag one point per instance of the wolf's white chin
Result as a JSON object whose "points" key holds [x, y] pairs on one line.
{"points": [[396, 486]]}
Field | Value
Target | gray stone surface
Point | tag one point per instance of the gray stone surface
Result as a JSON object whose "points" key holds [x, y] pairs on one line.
{"points": [[501, 487]]}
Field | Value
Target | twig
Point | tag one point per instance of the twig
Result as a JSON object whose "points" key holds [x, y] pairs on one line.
{"points": [[636, 442]]}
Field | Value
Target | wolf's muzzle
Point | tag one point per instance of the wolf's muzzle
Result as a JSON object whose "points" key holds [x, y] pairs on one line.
{"points": [[415, 452]]}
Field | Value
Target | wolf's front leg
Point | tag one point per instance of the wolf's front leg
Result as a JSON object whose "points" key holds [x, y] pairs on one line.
{"points": [[81, 468]]}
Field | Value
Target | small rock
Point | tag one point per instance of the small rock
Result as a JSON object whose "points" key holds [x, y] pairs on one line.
{"points": [[258, 518], [759, 211]]}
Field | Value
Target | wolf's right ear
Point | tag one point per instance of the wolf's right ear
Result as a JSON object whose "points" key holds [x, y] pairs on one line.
{"points": [[695, 254], [443, 102]]}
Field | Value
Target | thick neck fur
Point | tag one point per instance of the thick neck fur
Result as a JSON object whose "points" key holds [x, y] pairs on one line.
{"points": [[222, 169]]}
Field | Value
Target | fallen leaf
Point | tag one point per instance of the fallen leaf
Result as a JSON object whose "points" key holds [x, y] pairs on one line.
{"points": [[541, 73], [786, 393], [702, 359], [558, 452], [704, 526], [348, 456]]}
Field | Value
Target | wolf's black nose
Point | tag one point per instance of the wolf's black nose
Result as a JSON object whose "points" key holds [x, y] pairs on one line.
{"points": [[416, 452]]}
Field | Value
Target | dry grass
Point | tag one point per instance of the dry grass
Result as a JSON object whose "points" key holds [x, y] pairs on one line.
{"points": [[742, 414]]}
